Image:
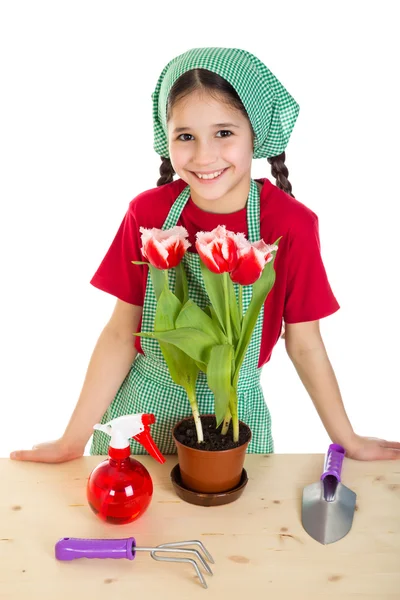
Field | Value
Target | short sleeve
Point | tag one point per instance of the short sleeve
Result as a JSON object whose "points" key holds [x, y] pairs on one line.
{"points": [[116, 273], [309, 296]]}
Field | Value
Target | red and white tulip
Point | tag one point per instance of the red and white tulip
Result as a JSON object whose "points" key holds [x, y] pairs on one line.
{"points": [[217, 249], [164, 249], [252, 258]]}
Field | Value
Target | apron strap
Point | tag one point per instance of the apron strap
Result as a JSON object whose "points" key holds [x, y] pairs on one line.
{"points": [[253, 211]]}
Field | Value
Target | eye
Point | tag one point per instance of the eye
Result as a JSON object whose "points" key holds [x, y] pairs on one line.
{"points": [[188, 134], [179, 137]]}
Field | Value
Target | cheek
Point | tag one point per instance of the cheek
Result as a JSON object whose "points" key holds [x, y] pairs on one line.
{"points": [[238, 149], [239, 155], [179, 154]]}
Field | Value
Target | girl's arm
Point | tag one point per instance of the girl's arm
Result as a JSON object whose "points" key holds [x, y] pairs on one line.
{"points": [[306, 350], [110, 362]]}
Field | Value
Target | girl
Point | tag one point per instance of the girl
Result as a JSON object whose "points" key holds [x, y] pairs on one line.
{"points": [[214, 110]]}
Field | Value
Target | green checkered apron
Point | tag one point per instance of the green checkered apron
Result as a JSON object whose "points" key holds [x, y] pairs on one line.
{"points": [[148, 387]]}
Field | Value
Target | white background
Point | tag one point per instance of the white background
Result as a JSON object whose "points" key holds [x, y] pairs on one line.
{"points": [[76, 147]]}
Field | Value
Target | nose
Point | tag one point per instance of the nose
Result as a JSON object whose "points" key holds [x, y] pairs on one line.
{"points": [[205, 154]]}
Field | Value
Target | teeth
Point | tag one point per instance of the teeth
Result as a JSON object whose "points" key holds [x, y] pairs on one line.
{"points": [[210, 176]]}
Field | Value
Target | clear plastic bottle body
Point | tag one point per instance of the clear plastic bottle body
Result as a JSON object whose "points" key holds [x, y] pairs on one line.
{"points": [[119, 490]]}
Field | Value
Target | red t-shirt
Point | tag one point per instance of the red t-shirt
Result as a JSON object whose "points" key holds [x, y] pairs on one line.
{"points": [[301, 291]]}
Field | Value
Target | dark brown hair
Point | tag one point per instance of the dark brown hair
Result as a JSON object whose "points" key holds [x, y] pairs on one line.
{"points": [[219, 88]]}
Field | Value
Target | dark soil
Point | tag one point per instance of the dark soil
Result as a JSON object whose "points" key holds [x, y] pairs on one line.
{"points": [[213, 439]]}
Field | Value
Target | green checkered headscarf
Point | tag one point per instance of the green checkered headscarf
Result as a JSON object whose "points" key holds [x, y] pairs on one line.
{"points": [[271, 109]]}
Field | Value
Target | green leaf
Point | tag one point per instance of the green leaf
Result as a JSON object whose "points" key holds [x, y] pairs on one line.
{"points": [[213, 315], [158, 277], [144, 334], [219, 378], [167, 311], [261, 289], [208, 310], [192, 315], [201, 366], [215, 289], [139, 262], [193, 342], [181, 285], [182, 368]]}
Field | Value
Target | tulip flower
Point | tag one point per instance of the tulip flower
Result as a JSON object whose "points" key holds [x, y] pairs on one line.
{"points": [[214, 339], [164, 249], [252, 258], [217, 249]]}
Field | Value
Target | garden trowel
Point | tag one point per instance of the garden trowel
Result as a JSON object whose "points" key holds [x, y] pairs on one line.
{"points": [[328, 505]]}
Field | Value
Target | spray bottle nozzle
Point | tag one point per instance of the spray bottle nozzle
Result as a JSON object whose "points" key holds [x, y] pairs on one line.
{"points": [[148, 419], [132, 426]]}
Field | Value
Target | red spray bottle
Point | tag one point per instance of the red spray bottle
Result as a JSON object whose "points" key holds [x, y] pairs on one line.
{"points": [[120, 489]]}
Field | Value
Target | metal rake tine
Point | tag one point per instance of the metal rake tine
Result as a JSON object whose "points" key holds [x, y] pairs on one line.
{"points": [[183, 549], [190, 543], [179, 560]]}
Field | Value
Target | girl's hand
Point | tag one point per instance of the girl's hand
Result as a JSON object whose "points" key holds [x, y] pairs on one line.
{"points": [[57, 451], [367, 448]]}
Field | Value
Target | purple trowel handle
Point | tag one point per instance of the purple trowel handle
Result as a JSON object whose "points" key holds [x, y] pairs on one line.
{"points": [[70, 548], [333, 461]]}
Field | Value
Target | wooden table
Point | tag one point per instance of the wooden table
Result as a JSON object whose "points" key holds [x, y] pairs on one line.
{"points": [[259, 545]]}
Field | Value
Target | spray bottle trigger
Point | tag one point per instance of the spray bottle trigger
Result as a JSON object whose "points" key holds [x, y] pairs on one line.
{"points": [[144, 438]]}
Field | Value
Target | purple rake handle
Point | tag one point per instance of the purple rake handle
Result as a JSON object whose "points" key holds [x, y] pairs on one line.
{"points": [[70, 548], [333, 461]]}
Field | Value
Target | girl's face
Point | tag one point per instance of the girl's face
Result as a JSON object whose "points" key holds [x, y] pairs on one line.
{"points": [[207, 136]]}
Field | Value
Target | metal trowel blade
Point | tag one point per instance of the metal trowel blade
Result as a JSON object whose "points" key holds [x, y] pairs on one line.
{"points": [[328, 510]]}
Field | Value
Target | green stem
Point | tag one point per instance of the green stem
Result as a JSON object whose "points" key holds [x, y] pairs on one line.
{"points": [[196, 416], [227, 420], [233, 404], [240, 306], [227, 311]]}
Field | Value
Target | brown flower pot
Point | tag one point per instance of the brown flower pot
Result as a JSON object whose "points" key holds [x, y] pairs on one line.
{"points": [[210, 471]]}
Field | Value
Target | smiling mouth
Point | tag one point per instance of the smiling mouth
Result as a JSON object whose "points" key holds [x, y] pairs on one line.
{"points": [[208, 178]]}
